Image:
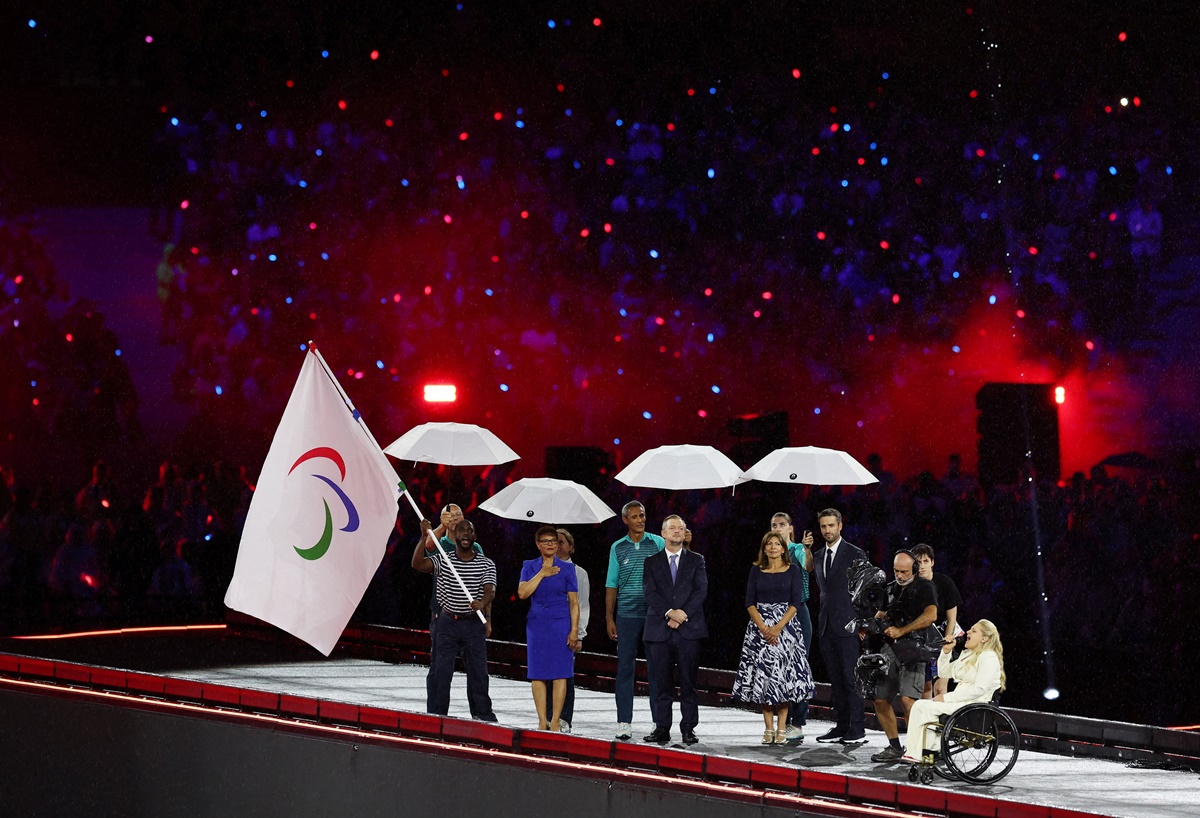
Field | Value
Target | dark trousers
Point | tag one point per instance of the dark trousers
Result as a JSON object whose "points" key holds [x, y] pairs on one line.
{"points": [[798, 712], [629, 636], [841, 655], [568, 711], [467, 636], [433, 618], [664, 657]]}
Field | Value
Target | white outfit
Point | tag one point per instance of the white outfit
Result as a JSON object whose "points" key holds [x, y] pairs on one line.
{"points": [[585, 592], [976, 683]]}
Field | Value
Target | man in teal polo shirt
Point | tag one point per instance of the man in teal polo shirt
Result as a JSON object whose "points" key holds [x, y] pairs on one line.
{"points": [[625, 607]]}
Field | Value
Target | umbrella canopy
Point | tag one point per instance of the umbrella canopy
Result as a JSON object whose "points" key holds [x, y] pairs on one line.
{"points": [[682, 467], [451, 444], [812, 465], [548, 500]]}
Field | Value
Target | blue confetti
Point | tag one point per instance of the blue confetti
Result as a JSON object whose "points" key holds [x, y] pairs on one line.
{"points": [[237, 127], [711, 173], [816, 410], [883, 161], [955, 348], [503, 387], [716, 389], [174, 121], [324, 55], [287, 300], [1112, 170], [325, 256], [303, 183], [653, 254], [33, 23], [379, 364], [550, 23], [271, 257], [620, 122], [303, 347], [1169, 171], [488, 292], [647, 415], [710, 337], [219, 390], [1036, 157], [991, 299], [623, 313], [616, 441], [520, 124], [263, 112]]}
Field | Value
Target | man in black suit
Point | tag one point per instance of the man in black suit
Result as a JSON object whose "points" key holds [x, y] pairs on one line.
{"points": [[839, 649], [675, 582]]}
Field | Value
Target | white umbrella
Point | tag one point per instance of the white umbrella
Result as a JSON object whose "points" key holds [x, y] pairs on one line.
{"points": [[682, 467], [548, 500], [812, 465], [452, 444]]}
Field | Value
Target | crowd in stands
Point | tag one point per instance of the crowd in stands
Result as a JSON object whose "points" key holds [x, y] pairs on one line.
{"points": [[572, 252]]}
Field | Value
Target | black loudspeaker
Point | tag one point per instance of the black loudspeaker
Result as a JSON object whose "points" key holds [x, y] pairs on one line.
{"points": [[587, 465], [1018, 422], [757, 436]]}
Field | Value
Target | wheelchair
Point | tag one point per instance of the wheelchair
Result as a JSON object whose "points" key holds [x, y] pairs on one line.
{"points": [[979, 745]]}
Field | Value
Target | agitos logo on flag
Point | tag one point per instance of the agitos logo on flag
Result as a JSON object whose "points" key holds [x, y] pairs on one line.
{"points": [[317, 551], [319, 522]]}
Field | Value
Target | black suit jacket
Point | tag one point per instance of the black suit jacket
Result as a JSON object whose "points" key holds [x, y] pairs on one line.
{"points": [[687, 595], [836, 608]]}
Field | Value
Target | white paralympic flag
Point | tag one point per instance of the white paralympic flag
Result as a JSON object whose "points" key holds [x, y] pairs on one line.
{"points": [[319, 521]]}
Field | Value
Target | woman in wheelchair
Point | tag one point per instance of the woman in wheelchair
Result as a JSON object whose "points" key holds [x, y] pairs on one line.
{"points": [[979, 671]]}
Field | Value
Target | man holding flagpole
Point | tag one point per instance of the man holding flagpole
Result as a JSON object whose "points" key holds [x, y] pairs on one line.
{"points": [[458, 626]]}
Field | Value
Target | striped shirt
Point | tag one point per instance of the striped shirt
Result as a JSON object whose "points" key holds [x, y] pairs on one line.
{"points": [[475, 573], [625, 565]]}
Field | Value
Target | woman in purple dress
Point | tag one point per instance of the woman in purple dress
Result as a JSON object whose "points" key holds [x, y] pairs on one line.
{"points": [[552, 627], [774, 668]]}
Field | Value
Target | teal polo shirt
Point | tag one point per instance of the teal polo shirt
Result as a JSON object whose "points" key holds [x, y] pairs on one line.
{"points": [[626, 561]]}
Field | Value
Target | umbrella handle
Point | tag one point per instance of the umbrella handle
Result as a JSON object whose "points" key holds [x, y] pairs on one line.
{"points": [[449, 564]]}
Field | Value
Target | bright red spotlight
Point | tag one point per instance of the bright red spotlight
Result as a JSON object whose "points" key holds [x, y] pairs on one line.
{"points": [[440, 393]]}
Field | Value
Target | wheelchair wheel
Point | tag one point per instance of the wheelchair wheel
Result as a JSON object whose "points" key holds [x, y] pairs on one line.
{"points": [[980, 744]]}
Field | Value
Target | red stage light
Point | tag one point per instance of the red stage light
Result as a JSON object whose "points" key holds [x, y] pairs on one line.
{"points": [[440, 393]]}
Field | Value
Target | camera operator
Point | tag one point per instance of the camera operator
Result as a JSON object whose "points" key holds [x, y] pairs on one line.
{"points": [[912, 607]]}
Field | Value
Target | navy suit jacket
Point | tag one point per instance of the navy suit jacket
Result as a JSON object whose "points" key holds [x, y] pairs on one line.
{"points": [[836, 608], [687, 595]]}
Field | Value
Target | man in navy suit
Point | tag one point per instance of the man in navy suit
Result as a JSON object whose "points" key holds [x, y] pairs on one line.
{"points": [[839, 649], [675, 583]]}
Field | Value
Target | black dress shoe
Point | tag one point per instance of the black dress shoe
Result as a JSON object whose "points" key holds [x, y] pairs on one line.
{"points": [[833, 735], [661, 735], [690, 738]]}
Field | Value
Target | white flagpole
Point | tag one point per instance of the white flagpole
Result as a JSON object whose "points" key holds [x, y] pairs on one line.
{"points": [[403, 487]]}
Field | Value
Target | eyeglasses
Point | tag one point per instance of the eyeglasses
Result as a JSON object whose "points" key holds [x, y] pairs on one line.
{"points": [[547, 542]]}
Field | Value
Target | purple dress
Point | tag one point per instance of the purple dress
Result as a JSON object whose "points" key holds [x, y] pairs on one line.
{"points": [[549, 621]]}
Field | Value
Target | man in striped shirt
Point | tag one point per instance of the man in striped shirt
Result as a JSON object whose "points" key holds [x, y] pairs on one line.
{"points": [[458, 627], [625, 608]]}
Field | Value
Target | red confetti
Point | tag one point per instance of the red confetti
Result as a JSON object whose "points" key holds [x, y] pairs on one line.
{"points": [[498, 116], [428, 290], [183, 205], [495, 259], [524, 214], [895, 298], [816, 151], [1090, 345], [757, 314], [1020, 313], [388, 122], [973, 93], [702, 413], [596, 21], [374, 55], [796, 73], [1033, 251], [1121, 37], [70, 337], [617, 338], [447, 218], [833, 128], [610, 161], [312, 225], [1137, 102], [341, 104], [861, 161], [291, 84], [884, 245], [820, 235], [980, 152], [583, 233], [660, 320], [691, 92], [312, 316], [707, 291], [560, 87], [767, 295], [607, 227], [670, 126], [396, 298], [462, 137]]}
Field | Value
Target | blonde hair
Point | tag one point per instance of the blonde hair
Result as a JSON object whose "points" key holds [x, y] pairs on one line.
{"points": [[988, 632]]}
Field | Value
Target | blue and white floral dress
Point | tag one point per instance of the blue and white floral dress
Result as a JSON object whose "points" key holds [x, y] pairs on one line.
{"points": [[774, 674]]}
